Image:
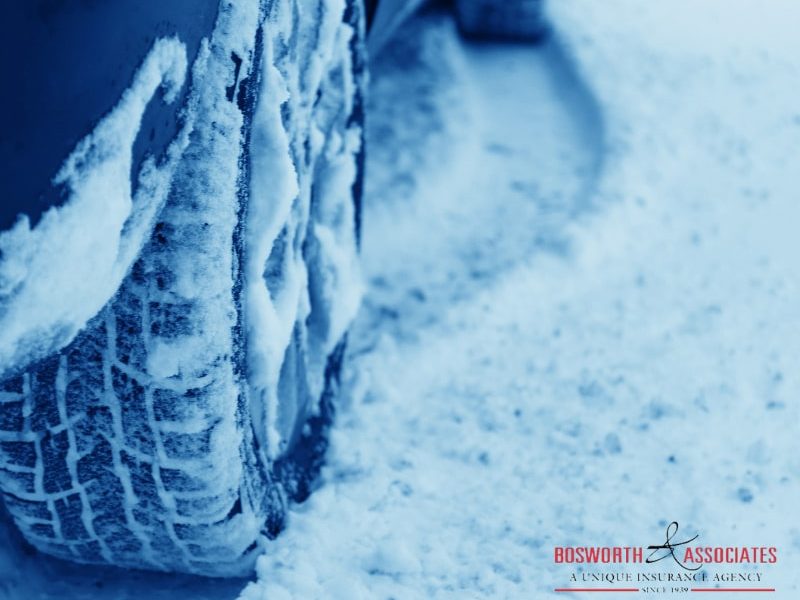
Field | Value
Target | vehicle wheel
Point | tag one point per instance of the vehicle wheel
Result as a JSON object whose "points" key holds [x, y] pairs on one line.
{"points": [[172, 431], [501, 19]]}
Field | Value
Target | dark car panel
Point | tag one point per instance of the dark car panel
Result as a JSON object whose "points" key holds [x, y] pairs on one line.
{"points": [[65, 64]]}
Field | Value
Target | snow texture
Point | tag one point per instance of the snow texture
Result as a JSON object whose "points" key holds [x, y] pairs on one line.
{"points": [[575, 330], [316, 275], [580, 318]]}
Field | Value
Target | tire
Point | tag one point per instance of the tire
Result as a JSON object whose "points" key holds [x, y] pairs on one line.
{"points": [[171, 433], [501, 19]]}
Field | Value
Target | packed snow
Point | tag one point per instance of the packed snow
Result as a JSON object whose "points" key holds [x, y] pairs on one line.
{"points": [[280, 209], [548, 353], [580, 315]]}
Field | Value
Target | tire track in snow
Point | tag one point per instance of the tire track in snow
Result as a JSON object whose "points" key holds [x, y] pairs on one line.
{"points": [[432, 481], [526, 140]]}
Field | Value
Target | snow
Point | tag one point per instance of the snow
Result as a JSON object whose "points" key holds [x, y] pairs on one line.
{"points": [[580, 314], [57, 255], [283, 200], [584, 339], [274, 185]]}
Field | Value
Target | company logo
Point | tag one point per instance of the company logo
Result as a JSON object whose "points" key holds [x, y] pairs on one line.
{"points": [[728, 568]]}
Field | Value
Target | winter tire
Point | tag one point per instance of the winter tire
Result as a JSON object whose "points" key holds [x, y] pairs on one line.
{"points": [[506, 19], [173, 429]]}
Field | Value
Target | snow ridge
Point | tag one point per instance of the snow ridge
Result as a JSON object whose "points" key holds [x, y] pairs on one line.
{"points": [[297, 193]]}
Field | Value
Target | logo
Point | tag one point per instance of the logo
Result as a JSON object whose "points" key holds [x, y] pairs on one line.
{"points": [[680, 564]]}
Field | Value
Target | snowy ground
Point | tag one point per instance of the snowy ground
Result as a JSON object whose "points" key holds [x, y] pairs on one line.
{"points": [[581, 317], [550, 358]]}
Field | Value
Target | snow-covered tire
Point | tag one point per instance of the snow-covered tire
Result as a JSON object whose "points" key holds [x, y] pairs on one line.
{"points": [[172, 431], [506, 19]]}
